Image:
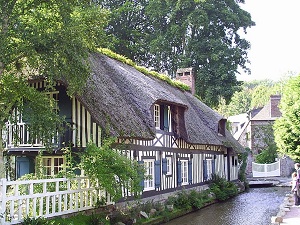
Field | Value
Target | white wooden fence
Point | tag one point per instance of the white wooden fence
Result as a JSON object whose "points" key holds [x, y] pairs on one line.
{"points": [[46, 198], [266, 170]]}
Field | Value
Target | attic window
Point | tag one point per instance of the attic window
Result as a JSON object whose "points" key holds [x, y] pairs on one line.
{"points": [[162, 117], [180, 74], [187, 73], [157, 116], [221, 127]]}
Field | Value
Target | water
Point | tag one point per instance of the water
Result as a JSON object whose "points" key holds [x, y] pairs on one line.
{"points": [[255, 207]]}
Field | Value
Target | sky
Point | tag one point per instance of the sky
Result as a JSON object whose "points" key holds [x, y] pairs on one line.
{"points": [[275, 39]]}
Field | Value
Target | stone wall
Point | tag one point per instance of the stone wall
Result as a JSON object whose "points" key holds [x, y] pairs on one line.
{"points": [[286, 166]]}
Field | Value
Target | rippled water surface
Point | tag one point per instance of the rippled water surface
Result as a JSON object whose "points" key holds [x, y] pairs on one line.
{"points": [[255, 207]]}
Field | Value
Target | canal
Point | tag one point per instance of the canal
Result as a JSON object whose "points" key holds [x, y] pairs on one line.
{"points": [[256, 206]]}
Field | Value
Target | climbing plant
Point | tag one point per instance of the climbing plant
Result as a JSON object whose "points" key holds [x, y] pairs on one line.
{"points": [[113, 170]]}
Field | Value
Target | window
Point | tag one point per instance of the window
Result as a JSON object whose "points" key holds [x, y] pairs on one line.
{"points": [[157, 116], [162, 117], [53, 165], [209, 168], [184, 172], [247, 136], [149, 174], [234, 161], [55, 96], [221, 127], [169, 165]]}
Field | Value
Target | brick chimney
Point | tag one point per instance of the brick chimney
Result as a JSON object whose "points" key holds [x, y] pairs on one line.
{"points": [[187, 76], [275, 100]]}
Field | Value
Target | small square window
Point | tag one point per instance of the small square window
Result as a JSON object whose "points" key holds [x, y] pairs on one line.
{"points": [[53, 165]]}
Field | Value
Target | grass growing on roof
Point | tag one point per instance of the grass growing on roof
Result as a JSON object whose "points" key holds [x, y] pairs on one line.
{"points": [[144, 70]]}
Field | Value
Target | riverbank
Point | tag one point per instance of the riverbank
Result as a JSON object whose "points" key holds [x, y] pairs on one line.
{"points": [[288, 214]]}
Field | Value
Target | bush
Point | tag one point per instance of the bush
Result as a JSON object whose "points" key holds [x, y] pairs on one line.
{"points": [[96, 220], [182, 201], [198, 199], [33, 221], [222, 188]]}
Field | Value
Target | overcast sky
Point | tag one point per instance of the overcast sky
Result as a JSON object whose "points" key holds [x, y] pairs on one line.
{"points": [[275, 40]]}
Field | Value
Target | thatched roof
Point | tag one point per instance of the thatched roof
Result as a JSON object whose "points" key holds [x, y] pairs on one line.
{"points": [[120, 98]]}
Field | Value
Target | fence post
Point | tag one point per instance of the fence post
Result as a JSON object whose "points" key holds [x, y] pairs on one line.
{"points": [[265, 170], [3, 200]]}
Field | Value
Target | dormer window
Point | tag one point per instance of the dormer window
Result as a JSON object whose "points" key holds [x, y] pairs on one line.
{"points": [[221, 127], [157, 116], [162, 117]]}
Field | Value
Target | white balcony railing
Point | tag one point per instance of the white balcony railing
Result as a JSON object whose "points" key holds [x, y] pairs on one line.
{"points": [[17, 135]]}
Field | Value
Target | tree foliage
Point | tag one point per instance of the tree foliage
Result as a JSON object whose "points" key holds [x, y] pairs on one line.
{"points": [[253, 94], [44, 38], [287, 128], [264, 144], [167, 35], [113, 170], [17, 99], [49, 38]]}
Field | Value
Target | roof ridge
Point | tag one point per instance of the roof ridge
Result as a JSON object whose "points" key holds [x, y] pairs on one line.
{"points": [[144, 70]]}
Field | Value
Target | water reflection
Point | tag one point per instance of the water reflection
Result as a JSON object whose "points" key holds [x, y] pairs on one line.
{"points": [[254, 207]]}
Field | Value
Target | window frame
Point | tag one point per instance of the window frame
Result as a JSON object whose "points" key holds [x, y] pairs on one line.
{"points": [[169, 165], [184, 171], [209, 168], [54, 95], [149, 181], [162, 117], [54, 169], [157, 116]]}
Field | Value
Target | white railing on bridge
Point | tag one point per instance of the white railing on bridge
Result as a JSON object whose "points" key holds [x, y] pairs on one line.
{"points": [[266, 170], [47, 198]]}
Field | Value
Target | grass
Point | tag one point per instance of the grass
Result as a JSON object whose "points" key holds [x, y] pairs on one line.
{"points": [[163, 77], [75, 220]]}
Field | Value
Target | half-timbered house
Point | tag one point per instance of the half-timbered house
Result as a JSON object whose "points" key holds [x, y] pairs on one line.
{"points": [[180, 140]]}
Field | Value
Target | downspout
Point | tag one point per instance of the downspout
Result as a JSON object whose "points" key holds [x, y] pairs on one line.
{"points": [[228, 164], [2, 167]]}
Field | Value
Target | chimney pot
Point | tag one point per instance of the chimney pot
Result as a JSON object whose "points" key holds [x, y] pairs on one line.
{"points": [[187, 76]]}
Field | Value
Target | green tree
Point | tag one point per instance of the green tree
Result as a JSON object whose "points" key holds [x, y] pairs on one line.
{"points": [[253, 94], [287, 128], [260, 96], [240, 103], [264, 144], [128, 27], [113, 170], [204, 35], [172, 34], [51, 39]]}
